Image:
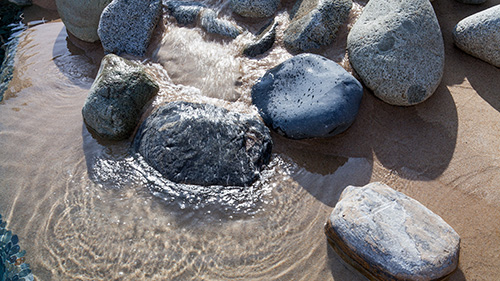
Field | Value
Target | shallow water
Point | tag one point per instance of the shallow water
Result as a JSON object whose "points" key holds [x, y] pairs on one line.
{"points": [[87, 210]]}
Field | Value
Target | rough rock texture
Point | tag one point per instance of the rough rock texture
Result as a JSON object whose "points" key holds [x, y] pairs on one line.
{"points": [[390, 236], [126, 26], [479, 35], [255, 8], [308, 96], [211, 24], [185, 12], [264, 41], [204, 144], [81, 18], [397, 49], [116, 98], [315, 23]]}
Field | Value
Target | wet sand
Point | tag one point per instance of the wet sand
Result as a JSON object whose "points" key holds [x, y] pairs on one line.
{"points": [[443, 152]]}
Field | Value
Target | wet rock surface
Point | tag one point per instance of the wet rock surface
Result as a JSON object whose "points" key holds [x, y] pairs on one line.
{"points": [[255, 8], [115, 101], [315, 23], [472, 2], [390, 236], [185, 12], [204, 145], [308, 96], [126, 26], [397, 50], [479, 35], [81, 18], [211, 24], [264, 41]]}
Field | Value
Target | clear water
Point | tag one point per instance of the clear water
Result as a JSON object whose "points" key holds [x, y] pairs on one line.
{"points": [[87, 210]]}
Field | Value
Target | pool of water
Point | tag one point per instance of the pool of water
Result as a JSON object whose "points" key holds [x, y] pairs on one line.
{"points": [[87, 210]]}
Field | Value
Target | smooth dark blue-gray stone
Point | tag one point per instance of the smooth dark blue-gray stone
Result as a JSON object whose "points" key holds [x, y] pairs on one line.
{"points": [[255, 8], [204, 145], [308, 96]]}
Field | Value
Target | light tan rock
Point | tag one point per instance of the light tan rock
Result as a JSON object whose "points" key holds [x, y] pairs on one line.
{"points": [[390, 236]]}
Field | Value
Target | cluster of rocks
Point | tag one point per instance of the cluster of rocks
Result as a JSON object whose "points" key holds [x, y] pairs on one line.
{"points": [[396, 48], [122, 26]]}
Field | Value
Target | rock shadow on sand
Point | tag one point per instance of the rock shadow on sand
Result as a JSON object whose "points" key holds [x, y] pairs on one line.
{"points": [[460, 66]]}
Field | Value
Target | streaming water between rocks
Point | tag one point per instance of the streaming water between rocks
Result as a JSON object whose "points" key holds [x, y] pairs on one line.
{"points": [[88, 210]]}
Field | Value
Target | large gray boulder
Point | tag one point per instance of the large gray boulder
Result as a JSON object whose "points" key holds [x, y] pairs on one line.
{"points": [[315, 23], [308, 96], [255, 8], [211, 24], [397, 49], [390, 236], [81, 18], [479, 35], [115, 101], [126, 26], [203, 144]]}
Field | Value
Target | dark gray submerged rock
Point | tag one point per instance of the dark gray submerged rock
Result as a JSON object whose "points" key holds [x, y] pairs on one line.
{"points": [[211, 24], [255, 8], [390, 236], [308, 96], [397, 49], [115, 101], [126, 26], [472, 2], [315, 23], [203, 144], [479, 35], [185, 12], [264, 41]]}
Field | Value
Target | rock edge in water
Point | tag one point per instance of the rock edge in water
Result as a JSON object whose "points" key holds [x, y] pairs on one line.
{"points": [[389, 236], [202, 144], [115, 101]]}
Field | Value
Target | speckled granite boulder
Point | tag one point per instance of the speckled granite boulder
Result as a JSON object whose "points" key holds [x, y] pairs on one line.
{"points": [[264, 41], [211, 24], [308, 96], [115, 101], [315, 23], [390, 236], [479, 35], [81, 18], [126, 26], [255, 8], [397, 49], [184, 12], [203, 144]]}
